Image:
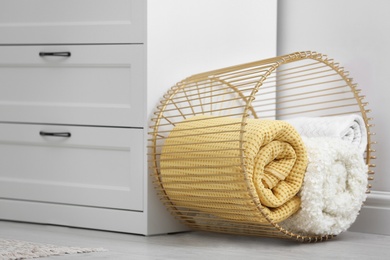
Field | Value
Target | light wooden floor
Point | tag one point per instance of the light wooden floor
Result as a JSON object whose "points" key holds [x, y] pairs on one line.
{"points": [[197, 245]]}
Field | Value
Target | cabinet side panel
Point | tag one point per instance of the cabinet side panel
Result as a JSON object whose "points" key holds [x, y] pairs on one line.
{"points": [[189, 37]]}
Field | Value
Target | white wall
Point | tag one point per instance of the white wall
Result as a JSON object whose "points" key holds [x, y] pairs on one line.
{"points": [[190, 37], [356, 33]]}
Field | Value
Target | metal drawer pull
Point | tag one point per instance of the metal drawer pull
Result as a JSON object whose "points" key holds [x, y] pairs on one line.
{"points": [[61, 54], [59, 134]]}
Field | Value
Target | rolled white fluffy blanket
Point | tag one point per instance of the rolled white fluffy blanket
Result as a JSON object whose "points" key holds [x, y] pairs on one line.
{"points": [[333, 190], [350, 128]]}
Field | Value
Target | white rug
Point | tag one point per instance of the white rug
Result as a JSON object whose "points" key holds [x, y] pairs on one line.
{"points": [[16, 249]]}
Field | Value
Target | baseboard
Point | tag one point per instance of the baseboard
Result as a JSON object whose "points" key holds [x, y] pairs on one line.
{"points": [[375, 215]]}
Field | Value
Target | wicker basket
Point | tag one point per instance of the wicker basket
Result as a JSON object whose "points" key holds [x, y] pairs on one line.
{"points": [[299, 84]]}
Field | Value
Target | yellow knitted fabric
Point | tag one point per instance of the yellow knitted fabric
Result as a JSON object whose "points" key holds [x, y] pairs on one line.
{"points": [[204, 167]]}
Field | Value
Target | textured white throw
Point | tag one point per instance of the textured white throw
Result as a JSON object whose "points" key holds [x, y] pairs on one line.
{"points": [[333, 190], [351, 128], [15, 249]]}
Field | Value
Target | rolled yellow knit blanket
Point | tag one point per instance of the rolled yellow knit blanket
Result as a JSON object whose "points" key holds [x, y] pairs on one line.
{"points": [[213, 165]]}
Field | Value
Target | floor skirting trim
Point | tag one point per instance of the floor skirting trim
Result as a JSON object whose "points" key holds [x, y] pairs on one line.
{"points": [[374, 215]]}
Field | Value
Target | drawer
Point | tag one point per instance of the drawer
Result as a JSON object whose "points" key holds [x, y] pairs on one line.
{"points": [[95, 166], [95, 85], [72, 21]]}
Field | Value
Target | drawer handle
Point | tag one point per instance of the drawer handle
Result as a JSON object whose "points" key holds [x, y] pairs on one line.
{"points": [[60, 54], [59, 134]]}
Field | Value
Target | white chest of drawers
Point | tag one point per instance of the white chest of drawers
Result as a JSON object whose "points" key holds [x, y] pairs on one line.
{"points": [[78, 83]]}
